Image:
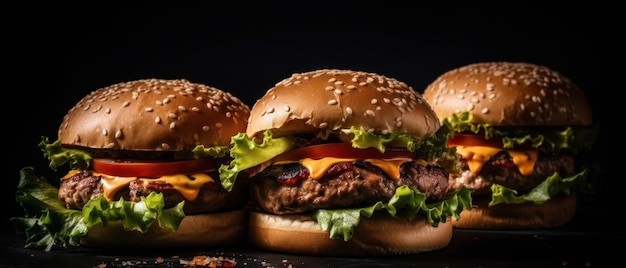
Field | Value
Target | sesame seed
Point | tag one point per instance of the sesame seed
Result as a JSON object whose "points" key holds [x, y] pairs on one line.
{"points": [[206, 128], [332, 102], [105, 132], [485, 111], [218, 125], [165, 146], [157, 120], [172, 116], [323, 125], [110, 145], [172, 125], [286, 108], [370, 113], [182, 108], [126, 103], [348, 110], [148, 109]]}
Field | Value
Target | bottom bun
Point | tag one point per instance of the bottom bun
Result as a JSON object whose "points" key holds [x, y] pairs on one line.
{"points": [[555, 212], [378, 235], [200, 230]]}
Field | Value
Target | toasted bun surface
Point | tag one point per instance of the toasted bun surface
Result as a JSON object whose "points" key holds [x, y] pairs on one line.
{"points": [[553, 213], [154, 115], [375, 236], [202, 230], [333, 99], [509, 94]]}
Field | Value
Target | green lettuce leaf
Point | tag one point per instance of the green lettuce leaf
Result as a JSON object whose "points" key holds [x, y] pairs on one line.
{"points": [[552, 186], [427, 148], [406, 202], [59, 156], [48, 223], [246, 153], [215, 151], [553, 139]]}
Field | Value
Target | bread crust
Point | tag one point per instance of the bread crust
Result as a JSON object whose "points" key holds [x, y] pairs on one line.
{"points": [[376, 236], [154, 115], [195, 231], [331, 99], [509, 94], [555, 212]]}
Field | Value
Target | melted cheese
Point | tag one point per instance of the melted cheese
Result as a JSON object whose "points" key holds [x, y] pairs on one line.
{"points": [[318, 167], [188, 185], [477, 156]]}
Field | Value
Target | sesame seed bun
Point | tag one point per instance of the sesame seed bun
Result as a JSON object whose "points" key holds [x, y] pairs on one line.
{"points": [[337, 99], [509, 94], [153, 125], [328, 101], [154, 115], [523, 97]]}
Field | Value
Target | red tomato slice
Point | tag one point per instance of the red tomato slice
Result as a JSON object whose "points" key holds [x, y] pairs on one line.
{"points": [[131, 168], [342, 150], [474, 140]]}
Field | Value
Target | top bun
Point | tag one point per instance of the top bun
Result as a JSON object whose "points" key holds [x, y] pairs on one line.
{"points": [[509, 94], [154, 115], [331, 99]]}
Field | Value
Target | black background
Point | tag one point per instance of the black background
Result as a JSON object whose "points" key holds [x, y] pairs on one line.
{"points": [[57, 54]]}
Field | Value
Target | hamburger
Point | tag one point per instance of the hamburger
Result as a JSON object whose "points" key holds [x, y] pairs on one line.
{"points": [[520, 131], [339, 163], [138, 164]]}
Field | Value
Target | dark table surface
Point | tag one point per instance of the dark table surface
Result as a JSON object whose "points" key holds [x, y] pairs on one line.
{"points": [[587, 241]]}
